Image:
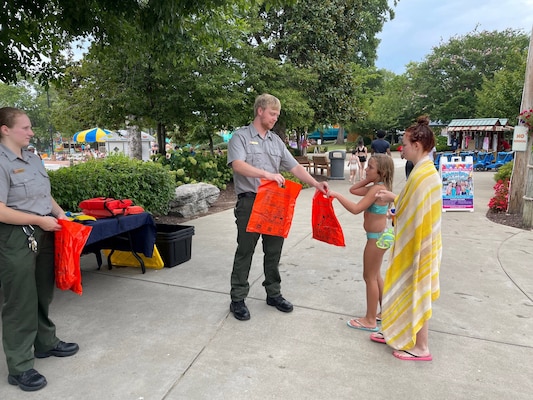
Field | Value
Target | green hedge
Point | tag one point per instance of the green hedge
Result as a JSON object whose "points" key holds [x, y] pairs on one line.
{"points": [[148, 184]]}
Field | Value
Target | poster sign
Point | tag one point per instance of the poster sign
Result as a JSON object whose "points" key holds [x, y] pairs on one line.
{"points": [[457, 185], [520, 138]]}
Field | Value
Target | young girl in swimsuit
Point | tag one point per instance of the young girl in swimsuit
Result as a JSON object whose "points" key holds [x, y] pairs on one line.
{"points": [[353, 163], [362, 155], [379, 175]]}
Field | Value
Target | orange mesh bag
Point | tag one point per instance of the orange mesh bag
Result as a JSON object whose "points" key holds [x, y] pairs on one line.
{"points": [[273, 208], [326, 227], [69, 242]]}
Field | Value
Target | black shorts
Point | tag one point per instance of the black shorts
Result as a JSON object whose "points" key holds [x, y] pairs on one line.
{"points": [[362, 158]]}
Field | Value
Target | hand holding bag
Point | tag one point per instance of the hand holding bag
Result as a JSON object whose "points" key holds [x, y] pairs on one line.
{"points": [[273, 208], [326, 226], [69, 242]]}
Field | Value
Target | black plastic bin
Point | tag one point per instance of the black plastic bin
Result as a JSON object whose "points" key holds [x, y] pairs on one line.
{"points": [[174, 243]]}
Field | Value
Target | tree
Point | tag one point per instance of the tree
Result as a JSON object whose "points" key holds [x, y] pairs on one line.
{"points": [[34, 34], [188, 85], [330, 38], [34, 100], [391, 105], [447, 81], [33, 37], [500, 96]]}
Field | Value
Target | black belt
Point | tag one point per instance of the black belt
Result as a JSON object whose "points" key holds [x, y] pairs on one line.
{"points": [[246, 194]]}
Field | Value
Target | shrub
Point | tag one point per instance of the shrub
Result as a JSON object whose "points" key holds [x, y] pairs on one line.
{"points": [[500, 201], [148, 184], [504, 172], [291, 177], [186, 168]]}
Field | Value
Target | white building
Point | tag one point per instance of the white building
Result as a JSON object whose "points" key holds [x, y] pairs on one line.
{"points": [[118, 142]]}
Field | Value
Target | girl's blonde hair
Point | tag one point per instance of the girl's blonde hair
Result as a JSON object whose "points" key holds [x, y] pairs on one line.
{"points": [[385, 168]]}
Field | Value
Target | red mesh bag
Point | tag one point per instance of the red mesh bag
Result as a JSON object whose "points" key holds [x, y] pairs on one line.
{"points": [[273, 208], [69, 242], [326, 227]]}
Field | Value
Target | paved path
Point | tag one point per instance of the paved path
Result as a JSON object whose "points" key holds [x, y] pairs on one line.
{"points": [[169, 335]]}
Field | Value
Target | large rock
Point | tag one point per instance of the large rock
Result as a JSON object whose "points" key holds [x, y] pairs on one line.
{"points": [[193, 199]]}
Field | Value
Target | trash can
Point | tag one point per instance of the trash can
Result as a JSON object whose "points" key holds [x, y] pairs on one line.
{"points": [[336, 159]]}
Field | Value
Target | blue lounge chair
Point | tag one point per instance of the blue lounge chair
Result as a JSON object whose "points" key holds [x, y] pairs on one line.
{"points": [[465, 154], [447, 157], [503, 158], [483, 159]]}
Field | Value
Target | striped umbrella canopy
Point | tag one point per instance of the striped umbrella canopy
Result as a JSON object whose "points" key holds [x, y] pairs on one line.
{"points": [[91, 135]]}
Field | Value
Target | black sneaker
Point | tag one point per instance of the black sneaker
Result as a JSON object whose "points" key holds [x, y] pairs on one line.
{"points": [[62, 349], [29, 380], [239, 310], [280, 303]]}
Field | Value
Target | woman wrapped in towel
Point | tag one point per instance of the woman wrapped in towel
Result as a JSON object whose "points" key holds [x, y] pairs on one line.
{"points": [[411, 281]]}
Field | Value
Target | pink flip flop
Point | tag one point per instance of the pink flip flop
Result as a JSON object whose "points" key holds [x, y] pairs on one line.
{"points": [[407, 356], [377, 337]]}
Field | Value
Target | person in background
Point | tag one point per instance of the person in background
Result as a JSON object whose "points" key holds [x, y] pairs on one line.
{"points": [[411, 281], [362, 156], [353, 164], [379, 176], [28, 220], [408, 164], [255, 152], [504, 145], [380, 145]]}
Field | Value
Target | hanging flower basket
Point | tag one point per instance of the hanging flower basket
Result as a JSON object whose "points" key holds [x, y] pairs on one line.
{"points": [[526, 117]]}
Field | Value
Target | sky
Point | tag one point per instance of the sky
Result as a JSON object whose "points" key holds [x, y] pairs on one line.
{"points": [[420, 25]]}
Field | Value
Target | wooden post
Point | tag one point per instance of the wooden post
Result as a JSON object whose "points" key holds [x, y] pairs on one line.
{"points": [[521, 194], [527, 213]]}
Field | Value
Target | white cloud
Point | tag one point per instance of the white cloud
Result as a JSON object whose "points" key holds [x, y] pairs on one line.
{"points": [[420, 25]]}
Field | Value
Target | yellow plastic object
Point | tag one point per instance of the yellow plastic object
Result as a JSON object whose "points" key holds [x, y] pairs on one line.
{"points": [[127, 259], [83, 218]]}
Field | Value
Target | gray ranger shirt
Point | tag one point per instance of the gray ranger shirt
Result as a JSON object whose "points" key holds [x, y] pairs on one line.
{"points": [[269, 154]]}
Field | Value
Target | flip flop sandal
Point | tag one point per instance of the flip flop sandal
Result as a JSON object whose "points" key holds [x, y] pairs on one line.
{"points": [[355, 324], [408, 356], [377, 337]]}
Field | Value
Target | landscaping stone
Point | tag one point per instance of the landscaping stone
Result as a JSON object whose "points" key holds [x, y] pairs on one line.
{"points": [[193, 199]]}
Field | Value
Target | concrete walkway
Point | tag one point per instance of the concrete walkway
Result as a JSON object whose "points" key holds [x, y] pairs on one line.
{"points": [[168, 334]]}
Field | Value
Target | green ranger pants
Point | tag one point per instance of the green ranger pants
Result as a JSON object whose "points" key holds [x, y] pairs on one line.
{"points": [[28, 286], [246, 242]]}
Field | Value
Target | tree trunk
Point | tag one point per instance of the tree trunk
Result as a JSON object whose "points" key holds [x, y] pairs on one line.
{"points": [[521, 194], [340, 135], [161, 138], [134, 138]]}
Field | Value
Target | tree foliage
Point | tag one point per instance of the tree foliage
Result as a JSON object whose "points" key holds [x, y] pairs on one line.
{"points": [[446, 82], [501, 96], [33, 37], [333, 39]]}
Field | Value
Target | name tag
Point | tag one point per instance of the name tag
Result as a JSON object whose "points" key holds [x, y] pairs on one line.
{"points": [[18, 171], [252, 142]]}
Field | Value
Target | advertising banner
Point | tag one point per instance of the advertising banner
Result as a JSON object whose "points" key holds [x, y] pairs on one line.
{"points": [[457, 185]]}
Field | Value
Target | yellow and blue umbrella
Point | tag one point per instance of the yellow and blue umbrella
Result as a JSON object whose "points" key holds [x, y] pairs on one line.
{"points": [[91, 135]]}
